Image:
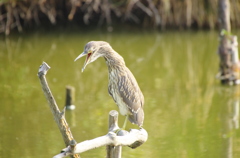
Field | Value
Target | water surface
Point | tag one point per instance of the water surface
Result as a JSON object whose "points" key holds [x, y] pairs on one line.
{"points": [[188, 114]]}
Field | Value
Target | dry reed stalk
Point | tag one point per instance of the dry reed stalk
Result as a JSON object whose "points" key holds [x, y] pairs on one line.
{"points": [[150, 13]]}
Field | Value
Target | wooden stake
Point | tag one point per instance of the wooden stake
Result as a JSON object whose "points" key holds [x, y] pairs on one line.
{"points": [[229, 65], [113, 151], [70, 97]]}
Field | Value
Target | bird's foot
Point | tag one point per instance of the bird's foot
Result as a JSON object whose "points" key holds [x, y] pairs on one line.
{"points": [[117, 131]]}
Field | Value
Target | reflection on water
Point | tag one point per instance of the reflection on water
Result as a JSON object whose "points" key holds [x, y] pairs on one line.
{"points": [[188, 113]]}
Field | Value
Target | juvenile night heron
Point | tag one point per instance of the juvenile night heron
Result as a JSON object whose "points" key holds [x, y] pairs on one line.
{"points": [[122, 86]]}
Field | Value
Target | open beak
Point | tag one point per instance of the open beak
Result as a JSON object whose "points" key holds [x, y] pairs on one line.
{"points": [[81, 55], [87, 59]]}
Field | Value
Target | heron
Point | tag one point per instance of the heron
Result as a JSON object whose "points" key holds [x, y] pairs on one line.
{"points": [[122, 85]]}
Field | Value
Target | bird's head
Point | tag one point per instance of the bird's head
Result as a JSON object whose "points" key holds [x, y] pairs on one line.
{"points": [[93, 50]]}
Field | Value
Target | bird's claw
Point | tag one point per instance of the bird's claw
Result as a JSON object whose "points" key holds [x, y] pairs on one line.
{"points": [[118, 130]]}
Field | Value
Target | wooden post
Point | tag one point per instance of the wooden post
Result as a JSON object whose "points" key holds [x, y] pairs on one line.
{"points": [[70, 97], [224, 15], [224, 24], [229, 65], [58, 116], [112, 151]]}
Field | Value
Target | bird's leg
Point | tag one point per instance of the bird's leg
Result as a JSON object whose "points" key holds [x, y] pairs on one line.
{"points": [[124, 125], [125, 122]]}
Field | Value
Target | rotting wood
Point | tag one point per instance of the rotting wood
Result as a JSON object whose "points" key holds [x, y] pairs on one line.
{"points": [[58, 116]]}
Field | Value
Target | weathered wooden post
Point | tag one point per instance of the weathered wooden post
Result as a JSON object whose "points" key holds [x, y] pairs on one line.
{"points": [[112, 126], [70, 98], [58, 116], [224, 15], [229, 62], [114, 151]]}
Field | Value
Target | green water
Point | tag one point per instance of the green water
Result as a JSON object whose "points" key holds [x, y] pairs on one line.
{"points": [[188, 114]]}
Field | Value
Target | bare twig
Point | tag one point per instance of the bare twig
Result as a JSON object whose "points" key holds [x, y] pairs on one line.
{"points": [[16, 15], [155, 13], [9, 19], [74, 5]]}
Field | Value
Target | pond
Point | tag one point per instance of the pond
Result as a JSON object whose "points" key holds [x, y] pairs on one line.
{"points": [[188, 114]]}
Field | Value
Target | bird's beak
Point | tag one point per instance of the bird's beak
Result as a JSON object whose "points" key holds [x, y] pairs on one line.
{"points": [[87, 59], [81, 55]]}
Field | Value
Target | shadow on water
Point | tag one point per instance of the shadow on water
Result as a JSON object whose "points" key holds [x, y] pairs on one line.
{"points": [[188, 113]]}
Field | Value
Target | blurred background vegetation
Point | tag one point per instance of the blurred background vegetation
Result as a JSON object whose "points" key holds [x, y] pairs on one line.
{"points": [[161, 14]]}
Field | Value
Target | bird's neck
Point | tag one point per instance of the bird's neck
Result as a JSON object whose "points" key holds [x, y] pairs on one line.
{"points": [[114, 60]]}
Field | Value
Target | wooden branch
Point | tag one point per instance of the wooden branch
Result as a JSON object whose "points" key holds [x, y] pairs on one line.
{"points": [[132, 139], [58, 116]]}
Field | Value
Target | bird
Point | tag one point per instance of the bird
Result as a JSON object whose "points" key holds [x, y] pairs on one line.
{"points": [[122, 86]]}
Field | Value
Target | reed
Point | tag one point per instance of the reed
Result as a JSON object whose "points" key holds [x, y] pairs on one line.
{"points": [[160, 14]]}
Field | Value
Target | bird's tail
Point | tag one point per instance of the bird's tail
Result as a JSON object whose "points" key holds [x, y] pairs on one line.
{"points": [[137, 118]]}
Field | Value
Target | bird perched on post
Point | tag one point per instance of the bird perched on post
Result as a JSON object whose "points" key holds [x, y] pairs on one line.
{"points": [[122, 86]]}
